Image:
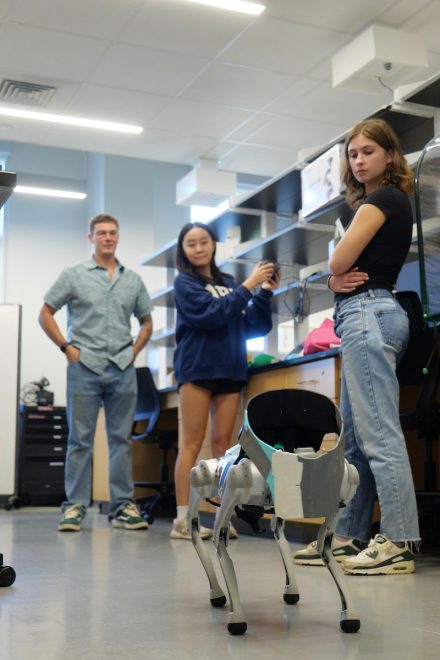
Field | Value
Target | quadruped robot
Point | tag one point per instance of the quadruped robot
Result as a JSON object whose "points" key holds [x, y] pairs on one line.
{"points": [[289, 462]]}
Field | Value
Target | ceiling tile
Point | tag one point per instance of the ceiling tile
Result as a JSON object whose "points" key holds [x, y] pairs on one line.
{"points": [[72, 137], [240, 86], [115, 104], [289, 97], [169, 146], [254, 159], [251, 125], [401, 11], [338, 106], [221, 149], [344, 15], [49, 53], [426, 23], [142, 69], [97, 18], [322, 71], [4, 9], [183, 27], [16, 130], [198, 118], [434, 64], [284, 46], [294, 133]]}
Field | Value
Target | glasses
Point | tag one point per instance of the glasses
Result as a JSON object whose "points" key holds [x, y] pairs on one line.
{"points": [[102, 234]]}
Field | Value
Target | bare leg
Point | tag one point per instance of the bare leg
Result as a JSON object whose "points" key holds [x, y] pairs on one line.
{"points": [[223, 415], [194, 407]]}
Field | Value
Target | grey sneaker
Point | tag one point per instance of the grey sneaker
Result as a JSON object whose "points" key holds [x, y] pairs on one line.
{"points": [[72, 519], [179, 530], [341, 550], [381, 557], [129, 518]]}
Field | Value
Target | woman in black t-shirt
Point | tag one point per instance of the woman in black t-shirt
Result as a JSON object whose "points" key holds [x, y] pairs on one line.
{"points": [[374, 333]]}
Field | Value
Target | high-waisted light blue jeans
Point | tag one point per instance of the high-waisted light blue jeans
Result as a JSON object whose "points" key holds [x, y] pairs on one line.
{"points": [[374, 333], [116, 390]]}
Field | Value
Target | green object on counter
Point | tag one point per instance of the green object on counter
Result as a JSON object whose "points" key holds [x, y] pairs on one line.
{"points": [[261, 360]]}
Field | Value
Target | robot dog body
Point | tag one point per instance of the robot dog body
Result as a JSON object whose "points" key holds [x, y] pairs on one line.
{"points": [[278, 467]]}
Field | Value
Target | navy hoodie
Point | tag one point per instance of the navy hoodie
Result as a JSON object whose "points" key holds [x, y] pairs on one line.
{"points": [[213, 322]]}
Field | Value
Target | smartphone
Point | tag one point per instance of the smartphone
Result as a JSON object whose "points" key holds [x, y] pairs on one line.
{"points": [[276, 266]]}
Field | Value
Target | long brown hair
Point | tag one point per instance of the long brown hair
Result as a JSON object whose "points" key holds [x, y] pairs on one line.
{"points": [[397, 173]]}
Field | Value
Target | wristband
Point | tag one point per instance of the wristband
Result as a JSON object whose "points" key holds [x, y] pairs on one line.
{"points": [[328, 282]]}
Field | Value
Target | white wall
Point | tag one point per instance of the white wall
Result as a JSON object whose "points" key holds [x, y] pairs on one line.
{"points": [[9, 360], [43, 235]]}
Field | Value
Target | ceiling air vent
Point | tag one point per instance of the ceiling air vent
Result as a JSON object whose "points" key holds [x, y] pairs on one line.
{"points": [[26, 93]]}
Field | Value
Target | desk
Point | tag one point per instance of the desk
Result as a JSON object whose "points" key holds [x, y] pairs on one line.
{"points": [[319, 372], [146, 457]]}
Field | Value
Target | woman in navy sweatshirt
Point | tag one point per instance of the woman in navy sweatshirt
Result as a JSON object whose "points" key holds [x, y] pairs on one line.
{"points": [[215, 317]]}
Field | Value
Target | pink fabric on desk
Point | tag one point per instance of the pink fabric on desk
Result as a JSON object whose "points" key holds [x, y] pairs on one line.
{"points": [[321, 339]]}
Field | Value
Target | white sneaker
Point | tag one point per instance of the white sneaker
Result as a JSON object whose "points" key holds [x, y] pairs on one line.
{"points": [[129, 518], [72, 519], [381, 557], [310, 556], [233, 534], [179, 530]]}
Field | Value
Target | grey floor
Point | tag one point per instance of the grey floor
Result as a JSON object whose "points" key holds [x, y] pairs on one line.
{"points": [[110, 594]]}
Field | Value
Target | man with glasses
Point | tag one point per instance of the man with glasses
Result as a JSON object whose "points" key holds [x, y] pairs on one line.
{"points": [[101, 296]]}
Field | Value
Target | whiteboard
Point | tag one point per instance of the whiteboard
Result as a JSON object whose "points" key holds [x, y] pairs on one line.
{"points": [[10, 336]]}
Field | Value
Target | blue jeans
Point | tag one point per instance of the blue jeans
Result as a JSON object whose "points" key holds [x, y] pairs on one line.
{"points": [[117, 391], [374, 333]]}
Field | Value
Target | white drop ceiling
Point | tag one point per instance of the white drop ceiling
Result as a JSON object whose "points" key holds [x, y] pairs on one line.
{"points": [[248, 92]]}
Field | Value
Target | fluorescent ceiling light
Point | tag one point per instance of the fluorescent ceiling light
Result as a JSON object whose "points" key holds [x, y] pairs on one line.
{"points": [[233, 5], [49, 192], [71, 121]]}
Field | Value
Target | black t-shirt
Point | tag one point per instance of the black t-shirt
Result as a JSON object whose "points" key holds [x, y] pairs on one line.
{"points": [[385, 254]]}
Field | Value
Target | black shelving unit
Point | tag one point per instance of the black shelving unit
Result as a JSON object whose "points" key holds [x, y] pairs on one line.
{"points": [[278, 231], [41, 456]]}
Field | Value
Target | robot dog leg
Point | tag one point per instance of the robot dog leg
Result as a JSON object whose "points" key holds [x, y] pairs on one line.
{"points": [[204, 484], [243, 484], [318, 484], [349, 621], [291, 593]]}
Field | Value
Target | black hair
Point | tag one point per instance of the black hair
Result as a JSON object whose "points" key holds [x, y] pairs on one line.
{"points": [[183, 264]]}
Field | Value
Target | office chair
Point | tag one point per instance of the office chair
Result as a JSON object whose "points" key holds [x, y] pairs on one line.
{"points": [[7, 574], [420, 367], [145, 430]]}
